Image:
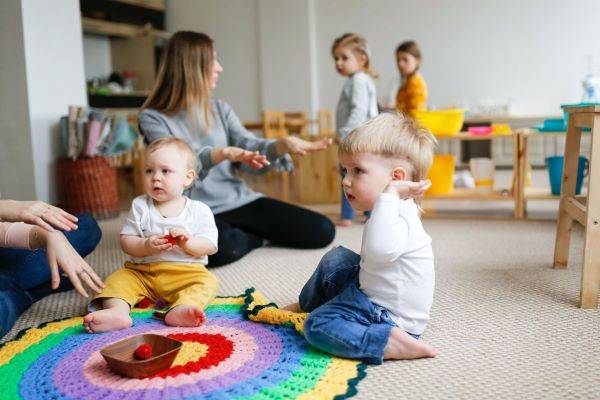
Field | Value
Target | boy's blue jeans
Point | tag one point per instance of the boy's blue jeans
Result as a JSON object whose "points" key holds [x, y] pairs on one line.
{"points": [[342, 320], [25, 274]]}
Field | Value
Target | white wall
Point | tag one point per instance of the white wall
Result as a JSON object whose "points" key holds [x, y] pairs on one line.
{"points": [[531, 53], [16, 167], [44, 78], [286, 54], [233, 26], [96, 56]]}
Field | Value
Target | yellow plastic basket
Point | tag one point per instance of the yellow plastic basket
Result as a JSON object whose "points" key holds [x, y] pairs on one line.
{"points": [[442, 122], [441, 174]]}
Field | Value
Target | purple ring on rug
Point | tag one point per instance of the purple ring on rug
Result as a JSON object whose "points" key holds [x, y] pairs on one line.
{"points": [[77, 385]]}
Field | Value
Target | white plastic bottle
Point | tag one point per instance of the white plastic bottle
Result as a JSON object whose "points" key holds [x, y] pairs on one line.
{"points": [[591, 83]]}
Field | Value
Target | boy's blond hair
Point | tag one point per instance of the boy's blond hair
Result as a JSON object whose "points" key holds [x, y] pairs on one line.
{"points": [[180, 144], [396, 136]]}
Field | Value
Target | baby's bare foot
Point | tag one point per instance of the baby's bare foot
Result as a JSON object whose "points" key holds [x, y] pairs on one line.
{"points": [[402, 346], [106, 320], [343, 222], [184, 315], [295, 307]]}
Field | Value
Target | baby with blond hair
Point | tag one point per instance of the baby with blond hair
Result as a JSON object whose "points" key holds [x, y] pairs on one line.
{"points": [[375, 305], [169, 238]]}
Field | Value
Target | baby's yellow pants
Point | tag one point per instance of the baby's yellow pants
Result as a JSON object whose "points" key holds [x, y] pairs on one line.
{"points": [[176, 283]]}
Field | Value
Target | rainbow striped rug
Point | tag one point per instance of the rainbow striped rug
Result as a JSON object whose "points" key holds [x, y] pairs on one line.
{"points": [[248, 348]]}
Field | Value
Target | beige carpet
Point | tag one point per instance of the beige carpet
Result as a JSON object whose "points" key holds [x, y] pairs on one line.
{"points": [[506, 325]]}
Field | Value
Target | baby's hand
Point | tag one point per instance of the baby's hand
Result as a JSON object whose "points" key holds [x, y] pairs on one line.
{"points": [[157, 244], [408, 189], [180, 236]]}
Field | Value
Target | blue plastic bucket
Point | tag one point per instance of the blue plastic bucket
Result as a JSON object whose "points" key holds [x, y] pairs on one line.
{"points": [[555, 171]]}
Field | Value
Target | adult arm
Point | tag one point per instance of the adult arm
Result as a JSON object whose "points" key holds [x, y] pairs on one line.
{"points": [[154, 127], [59, 251], [275, 150], [37, 213]]}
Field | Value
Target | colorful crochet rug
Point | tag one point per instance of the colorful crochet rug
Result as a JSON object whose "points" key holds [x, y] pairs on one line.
{"points": [[248, 348]]}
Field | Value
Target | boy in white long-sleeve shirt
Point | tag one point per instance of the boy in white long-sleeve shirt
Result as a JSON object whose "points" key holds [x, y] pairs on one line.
{"points": [[375, 305]]}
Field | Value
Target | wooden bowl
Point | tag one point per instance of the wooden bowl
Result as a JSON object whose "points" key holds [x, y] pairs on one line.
{"points": [[121, 359]]}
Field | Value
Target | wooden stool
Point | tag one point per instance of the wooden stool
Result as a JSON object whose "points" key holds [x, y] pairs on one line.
{"points": [[274, 128], [274, 125], [572, 209], [325, 122]]}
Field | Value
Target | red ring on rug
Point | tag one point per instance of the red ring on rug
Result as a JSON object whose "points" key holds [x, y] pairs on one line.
{"points": [[219, 349]]}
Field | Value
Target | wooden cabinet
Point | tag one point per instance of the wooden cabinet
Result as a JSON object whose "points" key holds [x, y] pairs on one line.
{"points": [[135, 46]]}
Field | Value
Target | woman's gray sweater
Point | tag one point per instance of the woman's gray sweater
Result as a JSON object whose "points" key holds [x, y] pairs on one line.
{"points": [[216, 185]]}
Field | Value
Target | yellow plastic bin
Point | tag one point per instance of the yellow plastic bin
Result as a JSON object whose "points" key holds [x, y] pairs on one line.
{"points": [[441, 174], [442, 122]]}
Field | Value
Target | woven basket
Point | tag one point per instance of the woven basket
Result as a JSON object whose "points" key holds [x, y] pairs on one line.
{"points": [[88, 185]]}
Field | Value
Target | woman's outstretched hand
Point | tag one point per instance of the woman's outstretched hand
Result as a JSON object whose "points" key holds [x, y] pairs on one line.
{"points": [[37, 213], [61, 255], [235, 154], [295, 145]]}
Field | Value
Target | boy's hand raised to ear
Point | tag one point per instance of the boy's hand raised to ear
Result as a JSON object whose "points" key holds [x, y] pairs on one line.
{"points": [[408, 189]]}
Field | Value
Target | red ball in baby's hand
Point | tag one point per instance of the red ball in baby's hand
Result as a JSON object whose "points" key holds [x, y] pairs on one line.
{"points": [[171, 239], [143, 351]]}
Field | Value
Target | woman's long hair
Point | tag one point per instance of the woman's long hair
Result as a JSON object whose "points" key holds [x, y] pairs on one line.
{"points": [[183, 81]]}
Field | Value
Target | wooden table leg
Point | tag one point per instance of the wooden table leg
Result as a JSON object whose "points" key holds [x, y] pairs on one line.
{"points": [[590, 275], [567, 190], [517, 182]]}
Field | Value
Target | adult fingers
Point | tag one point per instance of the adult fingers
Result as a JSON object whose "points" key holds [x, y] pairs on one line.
{"points": [[54, 275], [57, 222], [65, 214], [75, 281], [42, 224], [321, 144], [93, 275], [87, 279]]}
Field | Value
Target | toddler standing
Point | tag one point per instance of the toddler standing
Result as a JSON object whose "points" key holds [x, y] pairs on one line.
{"points": [[358, 100], [375, 305], [168, 237], [412, 95]]}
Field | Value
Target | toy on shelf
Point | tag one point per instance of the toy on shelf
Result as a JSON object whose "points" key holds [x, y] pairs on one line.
{"points": [[442, 122]]}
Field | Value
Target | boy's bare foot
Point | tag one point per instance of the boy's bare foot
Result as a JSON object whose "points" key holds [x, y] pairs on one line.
{"points": [[106, 320], [184, 315], [343, 222], [294, 307], [402, 346]]}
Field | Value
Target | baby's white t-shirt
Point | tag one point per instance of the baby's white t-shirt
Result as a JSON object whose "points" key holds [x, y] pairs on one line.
{"points": [[196, 219]]}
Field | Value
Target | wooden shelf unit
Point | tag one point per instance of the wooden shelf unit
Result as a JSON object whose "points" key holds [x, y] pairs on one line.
{"points": [[94, 26], [509, 194], [473, 194], [530, 193], [132, 47]]}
